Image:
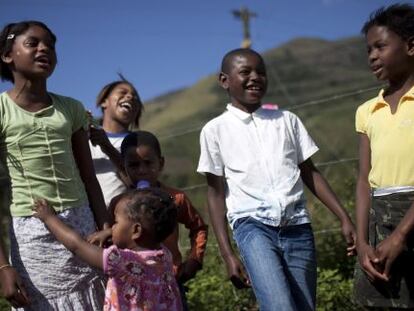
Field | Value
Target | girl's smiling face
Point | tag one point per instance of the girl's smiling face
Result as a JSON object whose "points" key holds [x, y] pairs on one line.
{"points": [[122, 104]]}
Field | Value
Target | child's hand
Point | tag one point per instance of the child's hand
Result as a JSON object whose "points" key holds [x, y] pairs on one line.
{"points": [[236, 272], [388, 250], [42, 210], [369, 262], [188, 270], [100, 238], [349, 234], [13, 289]]}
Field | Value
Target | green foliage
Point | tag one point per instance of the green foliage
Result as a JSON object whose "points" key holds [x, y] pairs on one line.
{"points": [[334, 292], [330, 244], [210, 291], [4, 306]]}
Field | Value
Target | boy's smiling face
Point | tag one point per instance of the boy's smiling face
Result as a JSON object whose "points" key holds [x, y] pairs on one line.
{"points": [[245, 81], [389, 56]]}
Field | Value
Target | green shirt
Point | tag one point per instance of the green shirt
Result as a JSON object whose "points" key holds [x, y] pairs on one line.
{"points": [[36, 150]]}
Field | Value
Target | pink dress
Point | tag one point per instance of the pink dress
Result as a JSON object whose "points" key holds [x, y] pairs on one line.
{"points": [[140, 280]]}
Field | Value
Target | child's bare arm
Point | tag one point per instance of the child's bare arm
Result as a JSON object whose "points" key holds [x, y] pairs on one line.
{"points": [[217, 212], [367, 256], [12, 287], [90, 253], [84, 162], [316, 183], [98, 137]]}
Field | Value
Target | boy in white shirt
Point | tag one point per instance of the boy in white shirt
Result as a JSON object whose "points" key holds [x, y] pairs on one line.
{"points": [[255, 161]]}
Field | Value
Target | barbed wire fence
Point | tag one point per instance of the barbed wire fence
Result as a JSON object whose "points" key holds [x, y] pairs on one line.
{"points": [[326, 100]]}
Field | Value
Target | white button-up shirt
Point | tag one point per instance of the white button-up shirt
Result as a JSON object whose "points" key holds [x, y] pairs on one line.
{"points": [[258, 154]]}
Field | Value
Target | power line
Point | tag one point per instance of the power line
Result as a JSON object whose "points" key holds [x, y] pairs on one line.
{"points": [[188, 131], [306, 104], [336, 162], [335, 97], [281, 85]]}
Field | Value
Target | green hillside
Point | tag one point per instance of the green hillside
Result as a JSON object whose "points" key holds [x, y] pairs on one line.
{"points": [[321, 81]]}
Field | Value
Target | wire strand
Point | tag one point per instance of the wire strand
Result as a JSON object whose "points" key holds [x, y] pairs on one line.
{"points": [[294, 107]]}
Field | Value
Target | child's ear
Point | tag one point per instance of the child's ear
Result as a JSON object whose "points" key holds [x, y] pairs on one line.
{"points": [[104, 104], [162, 163], [223, 80], [137, 231], [410, 46], [6, 59]]}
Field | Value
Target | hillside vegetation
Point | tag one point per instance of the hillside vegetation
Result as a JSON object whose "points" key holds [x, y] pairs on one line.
{"points": [[321, 81]]}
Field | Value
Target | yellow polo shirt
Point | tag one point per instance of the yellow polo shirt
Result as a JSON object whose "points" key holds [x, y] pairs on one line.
{"points": [[391, 139]]}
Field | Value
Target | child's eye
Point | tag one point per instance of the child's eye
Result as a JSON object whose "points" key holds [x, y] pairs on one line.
{"points": [[380, 45], [31, 43], [50, 45]]}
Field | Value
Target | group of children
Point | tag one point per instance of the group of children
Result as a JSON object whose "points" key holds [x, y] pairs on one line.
{"points": [[67, 236]]}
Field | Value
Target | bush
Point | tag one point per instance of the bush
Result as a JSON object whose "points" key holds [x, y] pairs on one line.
{"points": [[4, 306], [334, 292], [210, 291]]}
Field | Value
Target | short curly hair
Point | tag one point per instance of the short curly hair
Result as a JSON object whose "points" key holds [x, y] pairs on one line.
{"points": [[141, 138], [8, 36], [226, 62], [399, 18], [155, 206]]}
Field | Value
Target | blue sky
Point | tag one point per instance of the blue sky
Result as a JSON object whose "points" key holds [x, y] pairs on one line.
{"points": [[163, 45]]}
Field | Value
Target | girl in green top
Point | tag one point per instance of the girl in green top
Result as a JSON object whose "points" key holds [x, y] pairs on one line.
{"points": [[44, 148]]}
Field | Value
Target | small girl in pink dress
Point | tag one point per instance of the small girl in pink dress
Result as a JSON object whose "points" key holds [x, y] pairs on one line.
{"points": [[139, 267]]}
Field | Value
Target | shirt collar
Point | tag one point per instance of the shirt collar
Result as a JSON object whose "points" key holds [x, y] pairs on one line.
{"points": [[117, 135], [380, 102], [242, 115]]}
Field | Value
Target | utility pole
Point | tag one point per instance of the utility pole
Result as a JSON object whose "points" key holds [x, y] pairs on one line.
{"points": [[244, 14]]}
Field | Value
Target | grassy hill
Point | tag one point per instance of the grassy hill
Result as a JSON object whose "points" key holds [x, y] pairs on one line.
{"points": [[321, 81]]}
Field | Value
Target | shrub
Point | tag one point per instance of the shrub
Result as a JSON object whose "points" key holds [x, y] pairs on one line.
{"points": [[334, 292]]}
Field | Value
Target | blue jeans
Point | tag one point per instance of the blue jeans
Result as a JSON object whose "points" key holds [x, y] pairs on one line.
{"points": [[281, 263]]}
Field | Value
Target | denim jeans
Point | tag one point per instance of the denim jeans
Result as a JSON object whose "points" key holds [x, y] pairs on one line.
{"points": [[281, 264]]}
